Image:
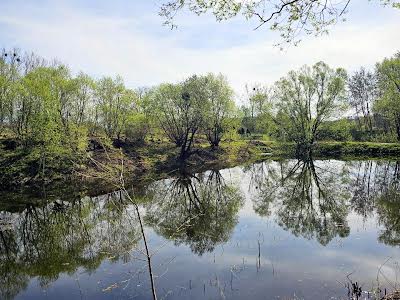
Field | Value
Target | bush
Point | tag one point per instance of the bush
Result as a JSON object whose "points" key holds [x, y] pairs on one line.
{"points": [[335, 131], [137, 128]]}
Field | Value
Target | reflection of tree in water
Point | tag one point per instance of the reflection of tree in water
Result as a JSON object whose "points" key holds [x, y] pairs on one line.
{"points": [[376, 188], [308, 198], [371, 180], [60, 238], [197, 210], [264, 178], [361, 201], [388, 204], [389, 217]]}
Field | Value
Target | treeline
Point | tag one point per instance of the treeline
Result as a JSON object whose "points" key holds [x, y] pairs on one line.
{"points": [[318, 103], [54, 114], [50, 111]]}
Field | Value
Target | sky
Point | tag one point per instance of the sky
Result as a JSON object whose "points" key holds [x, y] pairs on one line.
{"points": [[127, 38]]}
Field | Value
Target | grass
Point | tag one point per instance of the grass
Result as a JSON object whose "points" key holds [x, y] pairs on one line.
{"points": [[358, 149]]}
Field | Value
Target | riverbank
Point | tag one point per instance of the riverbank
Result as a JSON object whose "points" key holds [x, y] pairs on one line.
{"points": [[142, 162], [102, 167]]}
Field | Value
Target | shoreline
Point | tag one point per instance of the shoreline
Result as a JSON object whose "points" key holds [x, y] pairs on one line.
{"points": [[157, 160]]}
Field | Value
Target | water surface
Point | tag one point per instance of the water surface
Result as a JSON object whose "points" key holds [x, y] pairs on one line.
{"points": [[273, 230]]}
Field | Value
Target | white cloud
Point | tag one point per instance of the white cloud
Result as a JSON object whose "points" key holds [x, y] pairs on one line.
{"points": [[115, 45]]}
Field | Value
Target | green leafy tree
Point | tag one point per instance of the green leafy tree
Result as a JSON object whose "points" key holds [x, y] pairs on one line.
{"points": [[113, 105], [306, 98], [180, 109], [9, 76], [49, 90], [388, 103], [220, 108]]}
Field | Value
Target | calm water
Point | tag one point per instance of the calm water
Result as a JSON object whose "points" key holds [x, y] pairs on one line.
{"points": [[273, 230]]}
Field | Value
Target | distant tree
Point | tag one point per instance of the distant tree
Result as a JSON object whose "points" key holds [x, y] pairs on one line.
{"points": [[289, 17], [83, 99], [10, 64], [362, 88], [388, 104], [47, 126], [113, 105], [220, 108], [169, 110]]}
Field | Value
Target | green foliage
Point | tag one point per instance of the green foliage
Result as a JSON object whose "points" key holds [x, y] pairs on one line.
{"points": [[198, 104], [137, 127], [257, 112], [113, 104], [335, 131], [388, 104], [220, 108], [289, 18], [54, 118], [307, 98]]}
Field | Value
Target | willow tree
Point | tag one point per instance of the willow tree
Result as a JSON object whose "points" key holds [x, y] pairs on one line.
{"points": [[306, 98], [180, 109]]}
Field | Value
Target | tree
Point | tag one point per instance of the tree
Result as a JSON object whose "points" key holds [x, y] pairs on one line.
{"points": [[180, 110], [306, 98], [362, 88], [10, 63], [46, 124], [137, 127], [83, 99], [219, 109], [167, 106], [388, 103], [289, 17], [113, 105], [260, 108]]}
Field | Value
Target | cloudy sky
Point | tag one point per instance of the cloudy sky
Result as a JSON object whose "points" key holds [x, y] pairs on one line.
{"points": [[126, 37]]}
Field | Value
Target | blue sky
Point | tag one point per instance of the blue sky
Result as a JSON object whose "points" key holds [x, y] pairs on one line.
{"points": [[126, 37]]}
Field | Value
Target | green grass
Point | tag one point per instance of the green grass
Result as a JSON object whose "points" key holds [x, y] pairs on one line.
{"points": [[364, 149]]}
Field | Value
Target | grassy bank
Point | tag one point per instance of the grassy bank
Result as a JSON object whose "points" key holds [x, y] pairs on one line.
{"points": [[342, 150], [138, 162], [156, 159], [357, 149]]}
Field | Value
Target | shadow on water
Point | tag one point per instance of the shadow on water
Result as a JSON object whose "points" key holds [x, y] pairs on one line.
{"points": [[310, 200]]}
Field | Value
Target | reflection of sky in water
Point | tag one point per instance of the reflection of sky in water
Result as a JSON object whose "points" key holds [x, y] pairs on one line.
{"points": [[290, 266]]}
